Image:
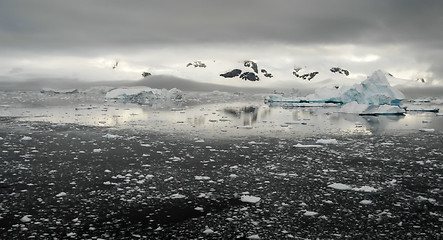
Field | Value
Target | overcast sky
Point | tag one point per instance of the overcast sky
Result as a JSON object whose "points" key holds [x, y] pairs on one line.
{"points": [[81, 39]]}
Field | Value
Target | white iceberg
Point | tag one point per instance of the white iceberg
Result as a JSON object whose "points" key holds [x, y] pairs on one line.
{"points": [[144, 95], [374, 90]]}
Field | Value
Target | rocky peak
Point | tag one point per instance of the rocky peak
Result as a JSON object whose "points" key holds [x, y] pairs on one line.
{"points": [[339, 70], [306, 76], [196, 64], [247, 75]]}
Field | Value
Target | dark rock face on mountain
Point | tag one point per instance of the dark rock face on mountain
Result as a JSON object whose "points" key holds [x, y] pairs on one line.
{"points": [[266, 74], [307, 76], [248, 75], [232, 74], [422, 80], [196, 64], [146, 74], [252, 65], [340, 70]]}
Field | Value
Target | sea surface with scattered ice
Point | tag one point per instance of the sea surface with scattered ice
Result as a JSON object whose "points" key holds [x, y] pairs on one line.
{"points": [[215, 165]]}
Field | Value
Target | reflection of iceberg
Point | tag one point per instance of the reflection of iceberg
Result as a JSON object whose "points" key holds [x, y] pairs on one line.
{"points": [[144, 95], [421, 108], [374, 90], [370, 109]]}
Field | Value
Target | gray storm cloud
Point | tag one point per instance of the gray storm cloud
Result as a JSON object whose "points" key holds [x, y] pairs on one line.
{"points": [[90, 28]]}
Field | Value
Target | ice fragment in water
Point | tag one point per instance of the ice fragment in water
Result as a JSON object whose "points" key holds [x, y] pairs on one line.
{"points": [[340, 186], [26, 138], [250, 199], [62, 194], [365, 202], [25, 219], [327, 141], [310, 213]]}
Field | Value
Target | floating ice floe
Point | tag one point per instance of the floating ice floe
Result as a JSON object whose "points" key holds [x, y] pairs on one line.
{"points": [[200, 209], [177, 196], [298, 145], [250, 199], [62, 194], [26, 138], [327, 141], [111, 136], [201, 178], [208, 231], [340, 186], [366, 189], [253, 237], [365, 202], [25, 219], [427, 130], [310, 213]]}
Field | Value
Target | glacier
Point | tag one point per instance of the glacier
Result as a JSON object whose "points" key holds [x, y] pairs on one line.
{"points": [[375, 90]]}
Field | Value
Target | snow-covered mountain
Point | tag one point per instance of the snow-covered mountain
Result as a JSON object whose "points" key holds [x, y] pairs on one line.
{"points": [[256, 73]]}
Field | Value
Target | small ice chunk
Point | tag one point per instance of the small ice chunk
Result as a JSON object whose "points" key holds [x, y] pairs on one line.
{"points": [[97, 150], [110, 136], [327, 141], [201, 178], [200, 209], [310, 213], [208, 231], [366, 189], [177, 196], [340, 186], [253, 237], [365, 202], [298, 145], [25, 219], [26, 138], [427, 130], [250, 199], [62, 194]]}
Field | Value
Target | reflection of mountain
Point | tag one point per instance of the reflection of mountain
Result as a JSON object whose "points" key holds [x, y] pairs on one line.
{"points": [[248, 114]]}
